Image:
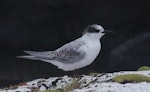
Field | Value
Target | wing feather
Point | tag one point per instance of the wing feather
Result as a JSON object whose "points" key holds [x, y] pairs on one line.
{"points": [[68, 53]]}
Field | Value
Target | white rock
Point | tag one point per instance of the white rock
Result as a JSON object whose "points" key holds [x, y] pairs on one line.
{"points": [[88, 83]]}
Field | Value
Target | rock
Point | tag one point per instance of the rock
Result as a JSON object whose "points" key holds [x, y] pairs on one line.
{"points": [[87, 83]]}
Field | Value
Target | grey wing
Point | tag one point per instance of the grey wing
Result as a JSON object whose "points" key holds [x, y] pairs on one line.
{"points": [[67, 54], [70, 52]]}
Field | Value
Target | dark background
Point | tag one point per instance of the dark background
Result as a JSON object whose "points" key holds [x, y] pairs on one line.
{"points": [[47, 24]]}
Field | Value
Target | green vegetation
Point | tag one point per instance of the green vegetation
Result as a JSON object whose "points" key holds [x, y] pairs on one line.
{"points": [[144, 68], [93, 74], [131, 78]]}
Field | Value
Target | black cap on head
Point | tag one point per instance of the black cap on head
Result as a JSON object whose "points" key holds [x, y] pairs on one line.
{"points": [[93, 29]]}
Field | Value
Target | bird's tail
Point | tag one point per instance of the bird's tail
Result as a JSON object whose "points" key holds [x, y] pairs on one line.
{"points": [[35, 55], [28, 57]]}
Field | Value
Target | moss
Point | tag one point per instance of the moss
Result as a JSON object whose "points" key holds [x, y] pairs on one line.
{"points": [[131, 78], [144, 68]]}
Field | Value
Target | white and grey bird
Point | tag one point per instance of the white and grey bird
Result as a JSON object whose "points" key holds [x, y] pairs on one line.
{"points": [[74, 55]]}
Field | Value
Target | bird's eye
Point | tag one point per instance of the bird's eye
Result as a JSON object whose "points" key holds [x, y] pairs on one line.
{"points": [[96, 30]]}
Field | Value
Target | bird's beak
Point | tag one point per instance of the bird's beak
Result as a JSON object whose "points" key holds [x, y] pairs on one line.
{"points": [[108, 31]]}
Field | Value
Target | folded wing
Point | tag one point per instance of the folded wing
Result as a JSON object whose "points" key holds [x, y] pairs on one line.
{"points": [[68, 53]]}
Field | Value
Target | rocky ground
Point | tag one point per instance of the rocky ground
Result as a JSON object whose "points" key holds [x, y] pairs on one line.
{"points": [[94, 82]]}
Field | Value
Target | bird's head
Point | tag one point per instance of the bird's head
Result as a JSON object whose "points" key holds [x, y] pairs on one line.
{"points": [[95, 31]]}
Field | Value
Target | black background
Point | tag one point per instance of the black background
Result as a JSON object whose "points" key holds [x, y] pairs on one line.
{"points": [[47, 24]]}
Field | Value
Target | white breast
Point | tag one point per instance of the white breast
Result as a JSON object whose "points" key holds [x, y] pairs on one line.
{"points": [[91, 48]]}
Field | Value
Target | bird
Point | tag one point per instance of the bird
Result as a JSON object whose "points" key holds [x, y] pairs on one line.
{"points": [[74, 55]]}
